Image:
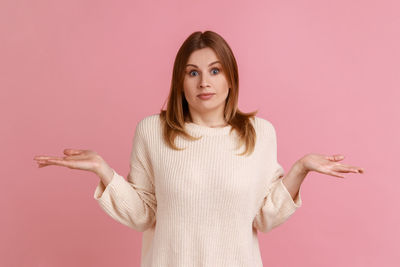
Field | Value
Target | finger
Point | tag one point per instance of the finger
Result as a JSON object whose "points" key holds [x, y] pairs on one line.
{"points": [[40, 157], [52, 161], [60, 162], [41, 165], [70, 151], [336, 157], [358, 169], [350, 168], [44, 157], [337, 174], [76, 157], [346, 168]]}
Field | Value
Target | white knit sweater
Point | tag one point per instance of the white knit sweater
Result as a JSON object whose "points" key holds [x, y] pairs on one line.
{"points": [[202, 206]]}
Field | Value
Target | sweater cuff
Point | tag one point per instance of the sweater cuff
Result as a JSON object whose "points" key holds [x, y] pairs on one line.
{"points": [[102, 192], [292, 204]]}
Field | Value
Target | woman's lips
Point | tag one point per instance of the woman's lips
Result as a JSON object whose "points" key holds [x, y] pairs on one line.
{"points": [[205, 96]]}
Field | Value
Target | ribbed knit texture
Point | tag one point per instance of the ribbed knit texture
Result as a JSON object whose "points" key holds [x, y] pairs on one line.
{"points": [[202, 206]]}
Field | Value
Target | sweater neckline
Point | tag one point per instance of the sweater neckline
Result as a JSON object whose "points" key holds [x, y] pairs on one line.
{"points": [[194, 128]]}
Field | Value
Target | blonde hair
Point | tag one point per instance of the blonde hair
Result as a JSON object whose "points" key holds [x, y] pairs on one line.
{"points": [[177, 112]]}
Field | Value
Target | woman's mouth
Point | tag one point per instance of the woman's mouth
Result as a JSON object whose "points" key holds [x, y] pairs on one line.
{"points": [[205, 96]]}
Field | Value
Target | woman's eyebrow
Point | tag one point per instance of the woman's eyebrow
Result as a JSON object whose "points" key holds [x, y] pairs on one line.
{"points": [[212, 63]]}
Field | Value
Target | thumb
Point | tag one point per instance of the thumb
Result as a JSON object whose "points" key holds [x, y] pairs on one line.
{"points": [[70, 151], [335, 157]]}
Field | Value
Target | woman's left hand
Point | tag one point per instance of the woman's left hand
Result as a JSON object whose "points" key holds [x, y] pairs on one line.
{"points": [[328, 165]]}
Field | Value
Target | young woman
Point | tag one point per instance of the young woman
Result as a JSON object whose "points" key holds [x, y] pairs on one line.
{"points": [[204, 176]]}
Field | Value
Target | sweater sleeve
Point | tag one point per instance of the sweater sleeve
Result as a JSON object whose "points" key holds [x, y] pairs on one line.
{"points": [[277, 205], [131, 202]]}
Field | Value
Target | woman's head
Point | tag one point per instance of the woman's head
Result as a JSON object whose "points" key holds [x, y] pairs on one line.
{"points": [[201, 49]]}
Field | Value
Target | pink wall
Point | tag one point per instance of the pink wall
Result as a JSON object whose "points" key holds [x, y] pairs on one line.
{"points": [[81, 74]]}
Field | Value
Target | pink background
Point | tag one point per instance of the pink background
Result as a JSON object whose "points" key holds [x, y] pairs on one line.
{"points": [[81, 74]]}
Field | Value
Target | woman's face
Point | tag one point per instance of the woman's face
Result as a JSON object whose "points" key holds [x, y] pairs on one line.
{"points": [[203, 75]]}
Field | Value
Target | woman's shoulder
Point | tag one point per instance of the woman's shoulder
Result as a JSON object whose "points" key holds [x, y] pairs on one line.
{"points": [[149, 121], [262, 124], [148, 126]]}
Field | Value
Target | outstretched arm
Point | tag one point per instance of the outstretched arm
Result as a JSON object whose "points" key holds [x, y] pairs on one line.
{"points": [[315, 162], [131, 202]]}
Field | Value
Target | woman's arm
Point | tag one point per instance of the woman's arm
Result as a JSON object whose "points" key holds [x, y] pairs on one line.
{"points": [[319, 163], [130, 201], [294, 178]]}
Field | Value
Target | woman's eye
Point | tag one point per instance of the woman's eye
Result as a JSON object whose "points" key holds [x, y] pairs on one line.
{"points": [[190, 72], [216, 69]]}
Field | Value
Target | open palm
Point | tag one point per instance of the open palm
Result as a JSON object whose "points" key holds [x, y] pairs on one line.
{"points": [[75, 159], [328, 165]]}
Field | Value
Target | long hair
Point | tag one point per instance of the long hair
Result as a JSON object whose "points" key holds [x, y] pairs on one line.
{"points": [[177, 112]]}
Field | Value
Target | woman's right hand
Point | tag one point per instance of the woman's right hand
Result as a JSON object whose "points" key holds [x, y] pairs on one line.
{"points": [[87, 160]]}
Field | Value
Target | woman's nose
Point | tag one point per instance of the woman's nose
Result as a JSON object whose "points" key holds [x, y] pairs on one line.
{"points": [[203, 82]]}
